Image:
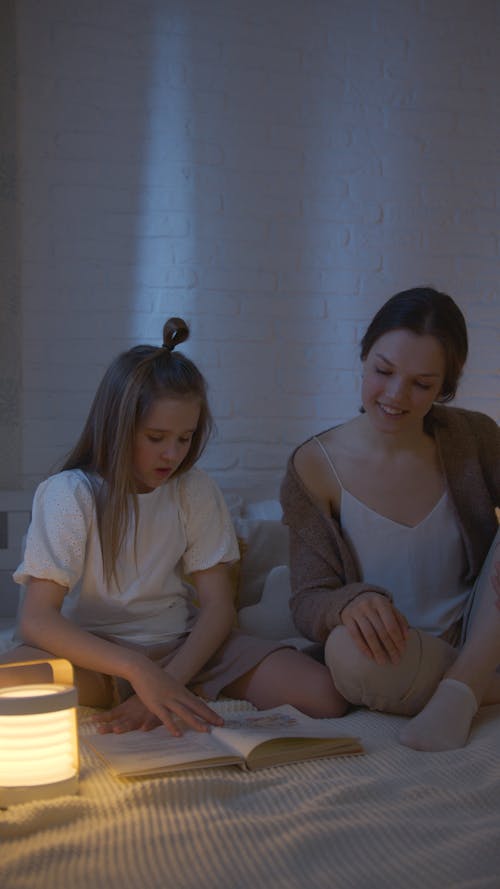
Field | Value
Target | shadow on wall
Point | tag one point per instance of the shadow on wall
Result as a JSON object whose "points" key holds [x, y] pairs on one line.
{"points": [[94, 216], [83, 156], [10, 328]]}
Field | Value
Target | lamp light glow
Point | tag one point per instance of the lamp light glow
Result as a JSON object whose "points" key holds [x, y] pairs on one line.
{"points": [[38, 736]]}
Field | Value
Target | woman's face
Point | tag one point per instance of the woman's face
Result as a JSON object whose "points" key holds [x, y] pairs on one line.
{"points": [[403, 374], [163, 439]]}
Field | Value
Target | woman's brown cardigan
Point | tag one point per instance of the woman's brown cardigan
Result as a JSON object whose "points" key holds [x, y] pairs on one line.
{"points": [[324, 574]]}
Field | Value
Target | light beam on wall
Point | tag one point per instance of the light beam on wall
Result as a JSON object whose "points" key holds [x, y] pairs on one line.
{"points": [[164, 232]]}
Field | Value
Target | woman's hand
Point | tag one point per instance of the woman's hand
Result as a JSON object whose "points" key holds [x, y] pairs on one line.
{"points": [[376, 626]]}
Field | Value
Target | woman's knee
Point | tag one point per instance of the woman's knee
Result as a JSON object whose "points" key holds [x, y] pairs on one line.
{"points": [[402, 688], [350, 669]]}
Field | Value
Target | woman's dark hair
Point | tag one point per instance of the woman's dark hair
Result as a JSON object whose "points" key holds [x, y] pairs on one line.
{"points": [[425, 311], [132, 382]]}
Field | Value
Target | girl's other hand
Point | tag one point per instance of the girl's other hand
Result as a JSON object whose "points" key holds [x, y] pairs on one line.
{"points": [[128, 716], [133, 715], [376, 626]]}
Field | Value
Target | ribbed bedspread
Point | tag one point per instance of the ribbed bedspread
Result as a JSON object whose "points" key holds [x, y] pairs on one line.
{"points": [[392, 818]]}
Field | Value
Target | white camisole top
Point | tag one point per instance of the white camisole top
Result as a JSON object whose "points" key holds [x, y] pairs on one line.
{"points": [[419, 565]]}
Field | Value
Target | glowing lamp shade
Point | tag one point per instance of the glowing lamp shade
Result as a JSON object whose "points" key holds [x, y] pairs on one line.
{"points": [[38, 736]]}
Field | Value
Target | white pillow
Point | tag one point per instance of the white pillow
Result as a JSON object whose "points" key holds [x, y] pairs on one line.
{"points": [[271, 618], [264, 546]]}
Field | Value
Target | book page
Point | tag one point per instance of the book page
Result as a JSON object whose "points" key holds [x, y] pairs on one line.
{"points": [[243, 732], [142, 753], [264, 737]]}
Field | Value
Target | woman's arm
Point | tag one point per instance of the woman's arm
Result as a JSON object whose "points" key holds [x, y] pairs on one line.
{"points": [[323, 572], [43, 625], [326, 588]]}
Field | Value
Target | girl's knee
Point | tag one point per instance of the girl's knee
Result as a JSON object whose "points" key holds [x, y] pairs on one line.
{"points": [[314, 692], [94, 689], [328, 701], [36, 665], [288, 676]]}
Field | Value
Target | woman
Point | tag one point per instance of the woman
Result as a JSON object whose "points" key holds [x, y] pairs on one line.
{"points": [[393, 531]]}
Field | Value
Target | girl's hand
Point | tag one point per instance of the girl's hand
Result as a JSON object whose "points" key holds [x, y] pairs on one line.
{"points": [[126, 717], [376, 626], [164, 697]]}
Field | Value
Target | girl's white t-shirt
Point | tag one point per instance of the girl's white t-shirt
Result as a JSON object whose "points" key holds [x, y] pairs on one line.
{"points": [[183, 526]]}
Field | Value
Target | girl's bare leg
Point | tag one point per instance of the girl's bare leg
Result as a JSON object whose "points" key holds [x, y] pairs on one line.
{"points": [[288, 676], [445, 721], [492, 693]]}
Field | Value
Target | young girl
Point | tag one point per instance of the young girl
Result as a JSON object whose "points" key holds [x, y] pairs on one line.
{"points": [[391, 518], [111, 539]]}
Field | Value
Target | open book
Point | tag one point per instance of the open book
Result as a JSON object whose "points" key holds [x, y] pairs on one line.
{"points": [[250, 739]]}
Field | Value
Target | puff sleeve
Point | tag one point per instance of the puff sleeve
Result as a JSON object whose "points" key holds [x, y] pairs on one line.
{"points": [[209, 530], [56, 540]]}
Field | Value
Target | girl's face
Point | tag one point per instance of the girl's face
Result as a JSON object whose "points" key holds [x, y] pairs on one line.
{"points": [[403, 374], [162, 440]]}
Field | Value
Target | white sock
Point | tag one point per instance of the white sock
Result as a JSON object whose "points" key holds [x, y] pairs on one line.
{"points": [[444, 723]]}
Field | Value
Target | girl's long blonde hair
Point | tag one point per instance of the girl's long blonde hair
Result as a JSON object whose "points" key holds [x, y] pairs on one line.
{"points": [[104, 451]]}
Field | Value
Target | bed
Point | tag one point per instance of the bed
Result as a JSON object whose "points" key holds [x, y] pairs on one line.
{"points": [[393, 817]]}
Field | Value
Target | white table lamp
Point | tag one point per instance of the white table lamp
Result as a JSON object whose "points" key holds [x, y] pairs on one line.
{"points": [[38, 735]]}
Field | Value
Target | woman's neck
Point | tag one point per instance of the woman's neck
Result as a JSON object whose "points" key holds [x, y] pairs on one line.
{"points": [[413, 439]]}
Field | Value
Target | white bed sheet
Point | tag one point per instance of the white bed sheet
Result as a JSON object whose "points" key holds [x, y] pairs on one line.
{"points": [[391, 818]]}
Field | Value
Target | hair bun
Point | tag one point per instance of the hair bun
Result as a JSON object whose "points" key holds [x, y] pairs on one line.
{"points": [[175, 331]]}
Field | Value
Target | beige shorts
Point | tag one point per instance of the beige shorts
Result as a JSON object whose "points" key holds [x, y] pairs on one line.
{"points": [[239, 654]]}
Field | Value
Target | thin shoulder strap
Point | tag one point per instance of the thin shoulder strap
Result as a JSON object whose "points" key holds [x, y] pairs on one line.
{"points": [[328, 459]]}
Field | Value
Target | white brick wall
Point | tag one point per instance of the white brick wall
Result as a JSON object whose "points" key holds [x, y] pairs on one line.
{"points": [[272, 170], [17, 506]]}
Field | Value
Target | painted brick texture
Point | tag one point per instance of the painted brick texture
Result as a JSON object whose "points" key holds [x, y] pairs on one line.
{"points": [[272, 171]]}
